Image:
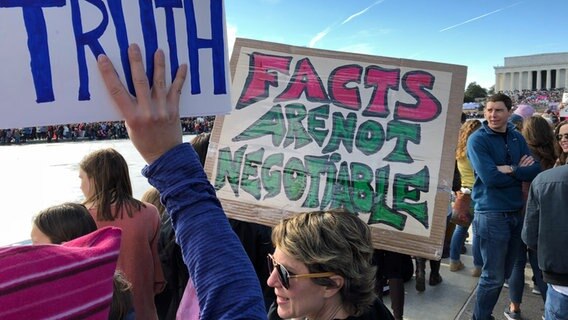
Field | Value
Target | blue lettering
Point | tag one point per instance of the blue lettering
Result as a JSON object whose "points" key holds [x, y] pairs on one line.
{"points": [[37, 43], [168, 6], [149, 32], [87, 39], [31, 3], [117, 14], [216, 43]]}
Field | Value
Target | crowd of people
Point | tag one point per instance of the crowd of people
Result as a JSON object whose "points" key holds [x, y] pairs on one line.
{"points": [[545, 102], [541, 99], [496, 161], [311, 265], [90, 131], [307, 276], [513, 149]]}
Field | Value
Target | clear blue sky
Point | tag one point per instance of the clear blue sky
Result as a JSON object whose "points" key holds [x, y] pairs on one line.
{"points": [[474, 33]]}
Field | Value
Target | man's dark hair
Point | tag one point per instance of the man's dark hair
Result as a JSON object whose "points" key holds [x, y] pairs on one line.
{"points": [[503, 98]]}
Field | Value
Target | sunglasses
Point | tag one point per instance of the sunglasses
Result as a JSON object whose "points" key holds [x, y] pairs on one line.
{"points": [[284, 275], [560, 136]]}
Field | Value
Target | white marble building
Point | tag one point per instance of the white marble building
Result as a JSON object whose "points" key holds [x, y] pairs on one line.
{"points": [[534, 72]]}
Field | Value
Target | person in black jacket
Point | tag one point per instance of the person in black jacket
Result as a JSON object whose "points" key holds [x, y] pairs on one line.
{"points": [[544, 231], [393, 269]]}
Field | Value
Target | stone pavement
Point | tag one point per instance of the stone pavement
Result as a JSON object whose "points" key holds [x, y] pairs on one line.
{"points": [[454, 298]]}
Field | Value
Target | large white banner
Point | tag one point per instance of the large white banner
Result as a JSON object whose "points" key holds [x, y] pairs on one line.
{"points": [[49, 50]]}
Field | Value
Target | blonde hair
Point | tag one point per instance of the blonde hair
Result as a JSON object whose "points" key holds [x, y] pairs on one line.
{"points": [[466, 130], [332, 241], [152, 196], [200, 144]]}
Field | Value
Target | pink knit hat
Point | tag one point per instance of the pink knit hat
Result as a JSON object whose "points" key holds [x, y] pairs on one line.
{"points": [[524, 110], [71, 281]]}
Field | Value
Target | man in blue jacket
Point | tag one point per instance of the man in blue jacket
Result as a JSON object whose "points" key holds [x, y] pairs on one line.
{"points": [[544, 231], [501, 161]]}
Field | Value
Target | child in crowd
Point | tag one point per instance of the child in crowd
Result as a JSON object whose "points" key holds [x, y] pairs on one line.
{"points": [[105, 182], [61, 223], [67, 221]]}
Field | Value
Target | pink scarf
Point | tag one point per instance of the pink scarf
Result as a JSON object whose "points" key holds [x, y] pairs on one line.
{"points": [[73, 280]]}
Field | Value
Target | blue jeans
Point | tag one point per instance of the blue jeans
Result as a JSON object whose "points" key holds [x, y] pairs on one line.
{"points": [[556, 306], [517, 278], [458, 238], [499, 240], [476, 251]]}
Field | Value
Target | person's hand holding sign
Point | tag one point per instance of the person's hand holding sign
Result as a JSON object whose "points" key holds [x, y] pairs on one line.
{"points": [[152, 117]]}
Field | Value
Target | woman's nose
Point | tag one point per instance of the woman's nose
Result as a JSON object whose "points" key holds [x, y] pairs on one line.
{"points": [[272, 280]]}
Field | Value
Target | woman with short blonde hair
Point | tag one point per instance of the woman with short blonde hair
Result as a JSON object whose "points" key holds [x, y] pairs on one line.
{"points": [[321, 268]]}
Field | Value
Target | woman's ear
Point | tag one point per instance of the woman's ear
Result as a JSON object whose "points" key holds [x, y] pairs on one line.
{"points": [[332, 290]]}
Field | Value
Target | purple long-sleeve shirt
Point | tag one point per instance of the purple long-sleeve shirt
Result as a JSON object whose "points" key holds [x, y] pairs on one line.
{"points": [[226, 284]]}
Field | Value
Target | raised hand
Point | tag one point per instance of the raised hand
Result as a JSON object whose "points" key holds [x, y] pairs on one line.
{"points": [[152, 117]]}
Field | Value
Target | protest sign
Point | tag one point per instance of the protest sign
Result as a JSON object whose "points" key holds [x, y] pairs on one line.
{"points": [[563, 108], [563, 112], [49, 49], [315, 129]]}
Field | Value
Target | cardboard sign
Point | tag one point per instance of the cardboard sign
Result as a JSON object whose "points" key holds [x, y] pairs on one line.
{"points": [[49, 51], [316, 130], [563, 107]]}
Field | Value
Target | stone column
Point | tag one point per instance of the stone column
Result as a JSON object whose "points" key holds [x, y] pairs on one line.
{"points": [[538, 80], [512, 82], [499, 82], [548, 79]]}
